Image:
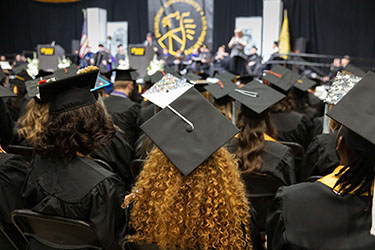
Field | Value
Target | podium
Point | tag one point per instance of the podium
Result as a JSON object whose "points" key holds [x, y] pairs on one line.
{"points": [[140, 57], [48, 56]]}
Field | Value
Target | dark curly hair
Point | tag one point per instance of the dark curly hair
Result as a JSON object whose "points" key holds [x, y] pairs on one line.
{"points": [[284, 106], [79, 130], [251, 138]]}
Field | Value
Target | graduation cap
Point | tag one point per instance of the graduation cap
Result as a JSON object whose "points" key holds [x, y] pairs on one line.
{"points": [[221, 88], [126, 75], [226, 75], [69, 93], [66, 72], [191, 77], [43, 73], [340, 87], [256, 96], [355, 110], [303, 84], [281, 77], [189, 130], [4, 92], [101, 82], [166, 90], [352, 70], [21, 76]]}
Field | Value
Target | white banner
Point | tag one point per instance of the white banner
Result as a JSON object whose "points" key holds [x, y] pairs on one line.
{"points": [[252, 31], [117, 34]]}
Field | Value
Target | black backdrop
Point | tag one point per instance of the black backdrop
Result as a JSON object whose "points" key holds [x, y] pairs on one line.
{"points": [[331, 27]]}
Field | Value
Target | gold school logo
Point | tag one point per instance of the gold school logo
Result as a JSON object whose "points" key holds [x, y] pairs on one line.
{"points": [[180, 25]]}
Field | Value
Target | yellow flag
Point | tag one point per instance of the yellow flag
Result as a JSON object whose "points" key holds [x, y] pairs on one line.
{"points": [[284, 41]]}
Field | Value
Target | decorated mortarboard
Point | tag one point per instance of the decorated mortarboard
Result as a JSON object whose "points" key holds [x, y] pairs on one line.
{"points": [[4, 92], [303, 84], [101, 82], [340, 87], [166, 90], [221, 88], [126, 74], [189, 130], [281, 77], [256, 96], [69, 93], [356, 110]]}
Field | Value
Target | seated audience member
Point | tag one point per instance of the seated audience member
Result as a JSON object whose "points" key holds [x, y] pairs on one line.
{"points": [[290, 125], [124, 111], [13, 170], [254, 62], [186, 198], [321, 157], [63, 181], [337, 211]]}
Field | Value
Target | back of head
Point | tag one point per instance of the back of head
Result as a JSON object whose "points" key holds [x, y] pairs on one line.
{"points": [[203, 210]]}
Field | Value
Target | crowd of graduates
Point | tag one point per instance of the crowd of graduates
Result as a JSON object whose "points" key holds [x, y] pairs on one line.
{"points": [[191, 159]]}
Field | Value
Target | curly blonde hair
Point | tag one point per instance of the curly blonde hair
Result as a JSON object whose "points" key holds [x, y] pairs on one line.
{"points": [[204, 210], [30, 125]]}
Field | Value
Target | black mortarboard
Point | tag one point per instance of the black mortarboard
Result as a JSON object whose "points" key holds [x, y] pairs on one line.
{"points": [[352, 70], [43, 73], [256, 96], [356, 110], [21, 76], [66, 72], [157, 76], [222, 88], [191, 76], [281, 77], [126, 75], [4, 92], [304, 84], [189, 130], [69, 93], [226, 75]]}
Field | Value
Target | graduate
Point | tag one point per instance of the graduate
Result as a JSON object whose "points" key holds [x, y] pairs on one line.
{"points": [[259, 154], [291, 126], [337, 211], [124, 111], [13, 170], [321, 157], [63, 181], [189, 194]]}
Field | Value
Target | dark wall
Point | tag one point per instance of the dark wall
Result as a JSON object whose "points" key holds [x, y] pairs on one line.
{"points": [[335, 27], [331, 27], [29, 23]]}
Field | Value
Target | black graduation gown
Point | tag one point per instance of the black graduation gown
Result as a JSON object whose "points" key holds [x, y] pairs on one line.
{"points": [[118, 154], [147, 111], [320, 157], [255, 236], [79, 189], [13, 171], [125, 114], [293, 127], [312, 216]]}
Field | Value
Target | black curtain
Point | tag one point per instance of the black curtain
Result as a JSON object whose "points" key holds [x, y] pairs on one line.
{"points": [[26, 23], [335, 27], [226, 11]]}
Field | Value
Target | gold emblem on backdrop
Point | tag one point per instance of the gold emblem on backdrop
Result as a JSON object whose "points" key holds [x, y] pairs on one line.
{"points": [[180, 25]]}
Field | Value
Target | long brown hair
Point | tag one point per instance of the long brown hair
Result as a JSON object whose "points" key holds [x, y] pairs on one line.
{"points": [[207, 209], [79, 130], [284, 106], [251, 138], [30, 125]]}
